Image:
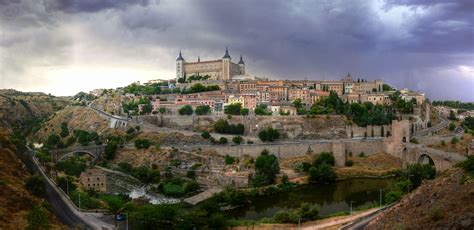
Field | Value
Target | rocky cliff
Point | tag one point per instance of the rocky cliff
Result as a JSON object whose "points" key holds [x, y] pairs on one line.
{"points": [[446, 202]]}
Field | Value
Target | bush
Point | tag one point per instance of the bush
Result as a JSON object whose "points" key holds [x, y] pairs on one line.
{"points": [[324, 157], [142, 143], [284, 179], [223, 126], [306, 211], [323, 174], [237, 140], [414, 140], [229, 160], [72, 166], [467, 165], [205, 135], [191, 174], [38, 218], [455, 140], [269, 134], [202, 110], [222, 140], [452, 126], [349, 163], [443, 143], [361, 154], [64, 130], [393, 196], [186, 110], [35, 184]]}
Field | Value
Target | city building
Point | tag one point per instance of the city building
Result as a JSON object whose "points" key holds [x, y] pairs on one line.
{"points": [[94, 179]]}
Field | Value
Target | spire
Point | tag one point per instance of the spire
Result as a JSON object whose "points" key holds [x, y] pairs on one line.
{"points": [[241, 60], [226, 53], [180, 57]]}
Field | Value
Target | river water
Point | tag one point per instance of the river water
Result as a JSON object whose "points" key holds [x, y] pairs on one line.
{"points": [[331, 198]]}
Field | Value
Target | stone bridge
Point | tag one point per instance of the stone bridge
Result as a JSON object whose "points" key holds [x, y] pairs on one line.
{"points": [[414, 153], [114, 121], [95, 151]]}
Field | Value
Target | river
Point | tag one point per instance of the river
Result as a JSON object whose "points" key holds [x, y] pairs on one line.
{"points": [[331, 198]]}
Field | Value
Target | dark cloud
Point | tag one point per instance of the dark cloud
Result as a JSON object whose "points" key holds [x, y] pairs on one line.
{"points": [[89, 6], [424, 45]]}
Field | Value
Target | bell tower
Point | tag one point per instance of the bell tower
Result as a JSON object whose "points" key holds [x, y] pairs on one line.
{"points": [[180, 66]]}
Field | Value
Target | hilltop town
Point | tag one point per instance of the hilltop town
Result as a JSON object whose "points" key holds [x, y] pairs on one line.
{"points": [[217, 136]]}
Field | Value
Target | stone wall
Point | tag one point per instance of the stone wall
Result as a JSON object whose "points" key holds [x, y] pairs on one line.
{"points": [[354, 131], [292, 127]]}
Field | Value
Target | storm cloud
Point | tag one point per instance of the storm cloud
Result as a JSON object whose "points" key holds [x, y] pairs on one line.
{"points": [[422, 45]]}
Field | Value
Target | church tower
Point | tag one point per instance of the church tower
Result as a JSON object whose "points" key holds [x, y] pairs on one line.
{"points": [[241, 65], [180, 66], [226, 65]]}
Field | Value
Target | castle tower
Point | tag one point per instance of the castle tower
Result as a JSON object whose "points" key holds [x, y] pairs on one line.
{"points": [[226, 65], [180, 66], [241, 65]]}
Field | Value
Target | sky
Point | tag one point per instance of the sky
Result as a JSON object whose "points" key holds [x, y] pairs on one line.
{"points": [[66, 46]]}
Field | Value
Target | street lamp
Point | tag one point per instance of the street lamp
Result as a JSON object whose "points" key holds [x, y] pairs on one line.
{"points": [[381, 191], [351, 206]]}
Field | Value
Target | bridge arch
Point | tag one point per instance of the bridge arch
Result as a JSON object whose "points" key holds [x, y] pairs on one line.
{"points": [[425, 159], [94, 157]]}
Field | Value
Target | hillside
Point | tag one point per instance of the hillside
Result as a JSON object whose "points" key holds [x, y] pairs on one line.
{"points": [[76, 117], [26, 110], [15, 201], [446, 202]]}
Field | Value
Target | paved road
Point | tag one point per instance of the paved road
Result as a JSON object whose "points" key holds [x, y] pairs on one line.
{"points": [[60, 209], [441, 125]]}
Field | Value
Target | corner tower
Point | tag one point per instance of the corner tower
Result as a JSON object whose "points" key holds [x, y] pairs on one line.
{"points": [[241, 65], [180, 66], [226, 65]]}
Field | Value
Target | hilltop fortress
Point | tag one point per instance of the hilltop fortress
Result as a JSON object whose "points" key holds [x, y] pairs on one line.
{"points": [[219, 69]]}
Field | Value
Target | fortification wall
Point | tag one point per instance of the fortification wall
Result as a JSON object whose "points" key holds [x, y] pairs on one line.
{"points": [[369, 131], [292, 127]]}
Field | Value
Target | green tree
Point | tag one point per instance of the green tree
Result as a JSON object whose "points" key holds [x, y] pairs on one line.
{"points": [[266, 169], [222, 140], [233, 109], [324, 157], [202, 110], [186, 110], [146, 109], [297, 103], [452, 126], [323, 173], [229, 160], [269, 134], [115, 206], [110, 150], [386, 87], [452, 116], [237, 139], [64, 130], [205, 135], [53, 140], [261, 110], [244, 112]]}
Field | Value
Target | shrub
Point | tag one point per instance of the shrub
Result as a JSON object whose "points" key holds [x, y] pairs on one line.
{"points": [[222, 140], [436, 213], [349, 163], [72, 166], [392, 196], [191, 174], [142, 143], [64, 130], [229, 160], [454, 140], [249, 142], [35, 184], [205, 135], [38, 218], [202, 109], [186, 110], [452, 126], [414, 140], [324, 157], [324, 173], [237, 139], [223, 126], [284, 179], [467, 165], [443, 143], [361, 154], [269, 134]]}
